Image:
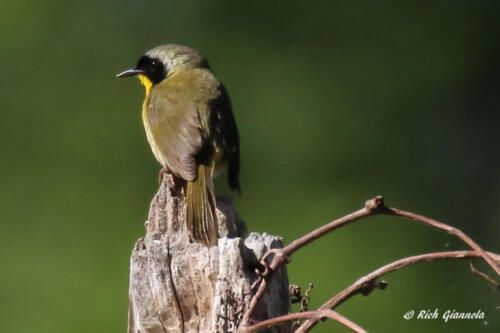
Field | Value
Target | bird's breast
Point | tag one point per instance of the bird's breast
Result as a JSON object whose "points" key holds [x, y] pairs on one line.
{"points": [[147, 126]]}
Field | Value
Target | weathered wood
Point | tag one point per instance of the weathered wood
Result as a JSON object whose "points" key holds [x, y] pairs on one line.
{"points": [[177, 285]]}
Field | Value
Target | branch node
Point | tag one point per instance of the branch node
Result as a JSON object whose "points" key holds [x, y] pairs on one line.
{"points": [[367, 287], [375, 205]]}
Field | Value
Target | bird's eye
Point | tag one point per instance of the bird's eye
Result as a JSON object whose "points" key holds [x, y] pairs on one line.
{"points": [[153, 68]]}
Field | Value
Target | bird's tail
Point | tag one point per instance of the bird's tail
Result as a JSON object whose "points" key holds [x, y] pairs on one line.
{"points": [[201, 216]]}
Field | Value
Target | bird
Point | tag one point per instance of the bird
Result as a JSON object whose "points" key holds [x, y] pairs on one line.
{"points": [[190, 126]]}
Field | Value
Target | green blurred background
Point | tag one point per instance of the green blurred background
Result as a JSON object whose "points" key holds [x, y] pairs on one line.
{"points": [[336, 102]]}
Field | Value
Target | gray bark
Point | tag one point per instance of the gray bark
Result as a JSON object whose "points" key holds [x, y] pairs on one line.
{"points": [[177, 285]]}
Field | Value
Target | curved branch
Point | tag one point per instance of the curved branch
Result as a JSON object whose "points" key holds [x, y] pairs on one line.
{"points": [[372, 207], [318, 315], [360, 285], [449, 229], [281, 256]]}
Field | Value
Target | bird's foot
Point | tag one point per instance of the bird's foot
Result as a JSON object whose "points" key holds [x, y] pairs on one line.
{"points": [[174, 185], [162, 173]]}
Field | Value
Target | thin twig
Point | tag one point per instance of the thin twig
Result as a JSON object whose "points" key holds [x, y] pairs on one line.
{"points": [[318, 314], [483, 275], [449, 229], [372, 207], [359, 285]]}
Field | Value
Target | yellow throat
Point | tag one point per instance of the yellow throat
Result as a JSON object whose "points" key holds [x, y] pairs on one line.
{"points": [[146, 82]]}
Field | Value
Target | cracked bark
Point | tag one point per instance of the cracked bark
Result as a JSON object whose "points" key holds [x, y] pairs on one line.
{"points": [[177, 285]]}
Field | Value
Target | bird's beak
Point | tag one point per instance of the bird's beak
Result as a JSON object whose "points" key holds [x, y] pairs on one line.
{"points": [[130, 72]]}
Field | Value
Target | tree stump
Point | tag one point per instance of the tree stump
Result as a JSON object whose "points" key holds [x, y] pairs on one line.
{"points": [[177, 285]]}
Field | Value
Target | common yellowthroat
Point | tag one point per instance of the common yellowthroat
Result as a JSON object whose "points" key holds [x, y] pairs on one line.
{"points": [[190, 127]]}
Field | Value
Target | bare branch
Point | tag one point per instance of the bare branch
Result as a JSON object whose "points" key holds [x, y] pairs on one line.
{"points": [[360, 284], [449, 229], [483, 275], [318, 315], [281, 256], [372, 207]]}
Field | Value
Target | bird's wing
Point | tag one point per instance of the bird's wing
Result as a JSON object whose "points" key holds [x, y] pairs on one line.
{"points": [[174, 121], [224, 133]]}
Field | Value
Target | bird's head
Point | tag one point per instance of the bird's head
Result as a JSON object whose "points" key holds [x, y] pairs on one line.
{"points": [[156, 64]]}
